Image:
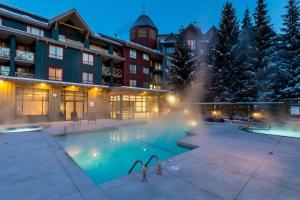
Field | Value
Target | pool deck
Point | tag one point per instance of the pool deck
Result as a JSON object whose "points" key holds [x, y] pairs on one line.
{"points": [[228, 163]]}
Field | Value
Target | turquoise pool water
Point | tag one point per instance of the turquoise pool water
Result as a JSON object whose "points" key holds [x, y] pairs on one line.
{"points": [[280, 131], [107, 155]]}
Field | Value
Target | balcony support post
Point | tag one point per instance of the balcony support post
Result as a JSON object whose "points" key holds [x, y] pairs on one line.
{"points": [[111, 70], [12, 63]]}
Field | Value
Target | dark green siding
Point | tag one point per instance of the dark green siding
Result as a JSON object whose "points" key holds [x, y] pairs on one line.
{"points": [[14, 24]]}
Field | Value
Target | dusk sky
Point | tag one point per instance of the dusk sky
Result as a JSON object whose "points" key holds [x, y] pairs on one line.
{"points": [[117, 16]]}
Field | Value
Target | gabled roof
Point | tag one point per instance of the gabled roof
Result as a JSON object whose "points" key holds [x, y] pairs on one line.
{"points": [[210, 33], [144, 20], [75, 17], [194, 29]]}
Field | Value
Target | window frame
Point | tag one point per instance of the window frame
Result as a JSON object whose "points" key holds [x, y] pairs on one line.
{"points": [[56, 77], [88, 62], [29, 29], [146, 57], [55, 56], [88, 77], [135, 69], [131, 81], [133, 53], [146, 69]]}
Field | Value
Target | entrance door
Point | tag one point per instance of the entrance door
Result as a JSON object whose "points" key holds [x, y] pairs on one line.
{"points": [[69, 109], [74, 102]]}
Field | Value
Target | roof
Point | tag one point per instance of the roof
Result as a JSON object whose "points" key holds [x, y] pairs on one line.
{"points": [[144, 20]]}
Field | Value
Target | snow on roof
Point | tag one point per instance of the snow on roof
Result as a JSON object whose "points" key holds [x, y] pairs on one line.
{"points": [[24, 16], [129, 43]]}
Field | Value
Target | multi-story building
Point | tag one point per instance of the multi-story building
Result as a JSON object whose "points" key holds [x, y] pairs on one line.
{"points": [[53, 69]]}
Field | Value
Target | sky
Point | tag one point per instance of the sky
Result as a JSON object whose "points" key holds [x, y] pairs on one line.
{"points": [[116, 16]]}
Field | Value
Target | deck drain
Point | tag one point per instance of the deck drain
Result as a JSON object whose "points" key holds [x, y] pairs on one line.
{"points": [[174, 168]]}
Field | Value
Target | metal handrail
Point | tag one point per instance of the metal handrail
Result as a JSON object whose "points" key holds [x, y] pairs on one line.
{"points": [[158, 164], [144, 179]]}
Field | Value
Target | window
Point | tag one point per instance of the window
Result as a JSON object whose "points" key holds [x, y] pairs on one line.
{"points": [[169, 62], [4, 70], [31, 102], [155, 87], [55, 74], [157, 66], [146, 70], [55, 52], [152, 34], [88, 59], [35, 31], [192, 44], [142, 33], [132, 69], [170, 50], [132, 53], [146, 57], [87, 78], [132, 83]]}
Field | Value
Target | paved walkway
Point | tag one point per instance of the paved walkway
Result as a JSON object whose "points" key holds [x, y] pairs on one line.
{"points": [[228, 164]]}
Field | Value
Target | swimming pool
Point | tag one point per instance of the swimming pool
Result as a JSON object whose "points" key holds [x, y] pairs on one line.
{"points": [[107, 155], [279, 131]]}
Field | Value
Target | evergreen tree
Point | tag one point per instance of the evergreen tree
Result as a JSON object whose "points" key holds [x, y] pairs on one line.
{"points": [[183, 67], [244, 68], [291, 48], [264, 36], [226, 37]]}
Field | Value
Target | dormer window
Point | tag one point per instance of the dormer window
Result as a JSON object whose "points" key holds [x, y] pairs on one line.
{"points": [[35, 31]]}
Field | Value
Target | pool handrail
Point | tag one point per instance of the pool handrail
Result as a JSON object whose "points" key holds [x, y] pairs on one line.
{"points": [[159, 171], [144, 179]]}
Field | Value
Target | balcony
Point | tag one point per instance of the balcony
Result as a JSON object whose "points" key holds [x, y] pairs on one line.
{"points": [[71, 42], [24, 75], [105, 71], [4, 52], [117, 73], [25, 56], [99, 49], [4, 70]]}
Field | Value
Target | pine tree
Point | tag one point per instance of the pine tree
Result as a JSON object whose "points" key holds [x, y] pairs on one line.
{"points": [[183, 67], [264, 36], [291, 48], [226, 37], [244, 67]]}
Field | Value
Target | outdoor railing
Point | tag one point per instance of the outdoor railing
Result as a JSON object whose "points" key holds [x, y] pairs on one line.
{"points": [[101, 50], [106, 71], [25, 55], [117, 73], [24, 75], [4, 52], [4, 70]]}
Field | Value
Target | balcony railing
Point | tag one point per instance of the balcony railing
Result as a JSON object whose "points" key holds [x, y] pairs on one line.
{"points": [[101, 50], [4, 52], [24, 75], [25, 55], [69, 41], [105, 71], [4, 70], [117, 73]]}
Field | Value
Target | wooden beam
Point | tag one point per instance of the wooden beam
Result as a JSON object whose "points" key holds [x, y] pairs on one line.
{"points": [[80, 29]]}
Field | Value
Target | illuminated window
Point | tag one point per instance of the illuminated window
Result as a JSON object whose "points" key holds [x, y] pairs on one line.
{"points": [[132, 69], [192, 44], [146, 57], [31, 102], [35, 31], [55, 74], [146, 70], [142, 33], [87, 78], [157, 66], [132, 83], [132, 53], [56, 52], [87, 59], [152, 34]]}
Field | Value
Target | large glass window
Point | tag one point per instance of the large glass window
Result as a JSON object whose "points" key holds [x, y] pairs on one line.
{"points": [[31, 102], [55, 52], [35, 31], [87, 78], [55, 74], [132, 53], [88, 59], [132, 69]]}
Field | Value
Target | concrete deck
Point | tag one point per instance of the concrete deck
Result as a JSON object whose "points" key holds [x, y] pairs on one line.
{"points": [[228, 164]]}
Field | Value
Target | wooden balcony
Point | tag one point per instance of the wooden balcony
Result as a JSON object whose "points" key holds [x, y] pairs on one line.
{"points": [[117, 73], [4, 52], [24, 56], [24, 75], [106, 71], [71, 42]]}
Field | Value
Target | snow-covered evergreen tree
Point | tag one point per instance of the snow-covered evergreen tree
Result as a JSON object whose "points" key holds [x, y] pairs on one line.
{"points": [[226, 37], [264, 36], [291, 48], [183, 68], [244, 67]]}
